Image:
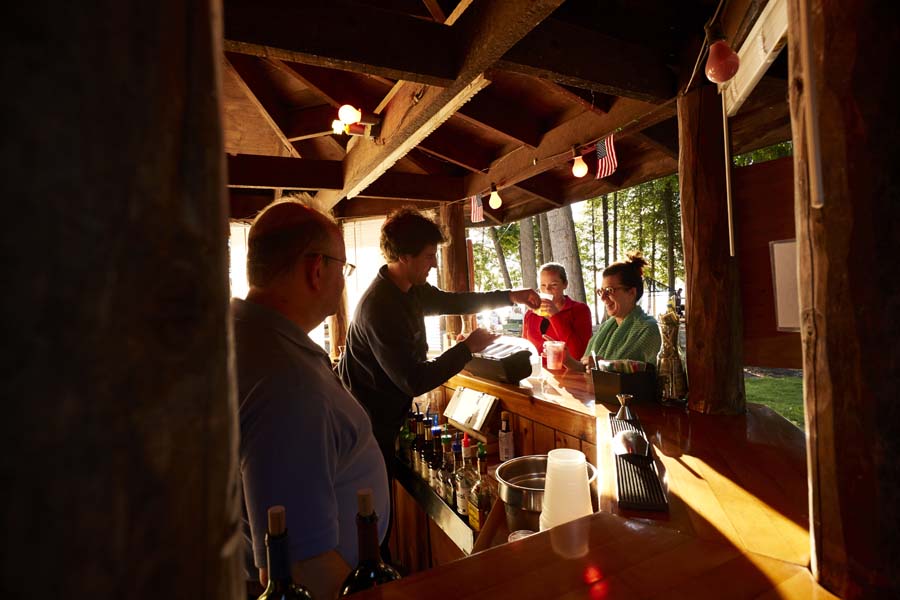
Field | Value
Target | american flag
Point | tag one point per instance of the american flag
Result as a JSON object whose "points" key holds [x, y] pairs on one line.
{"points": [[606, 157], [477, 209]]}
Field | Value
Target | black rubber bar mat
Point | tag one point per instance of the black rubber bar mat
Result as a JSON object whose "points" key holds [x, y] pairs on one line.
{"points": [[637, 480]]}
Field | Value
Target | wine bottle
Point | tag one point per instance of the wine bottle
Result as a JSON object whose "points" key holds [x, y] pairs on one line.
{"points": [[505, 438], [481, 496], [281, 585], [371, 571]]}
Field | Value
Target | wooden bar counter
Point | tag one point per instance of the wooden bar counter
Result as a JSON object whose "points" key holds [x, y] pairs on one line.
{"points": [[737, 524]]}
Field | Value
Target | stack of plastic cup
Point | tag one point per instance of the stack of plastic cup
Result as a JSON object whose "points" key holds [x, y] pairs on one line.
{"points": [[567, 495]]}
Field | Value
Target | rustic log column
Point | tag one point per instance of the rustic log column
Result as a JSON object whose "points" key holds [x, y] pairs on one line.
{"points": [[119, 468], [454, 259], [715, 370], [847, 247], [337, 327]]}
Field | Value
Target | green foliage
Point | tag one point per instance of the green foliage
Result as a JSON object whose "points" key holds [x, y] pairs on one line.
{"points": [[763, 154], [487, 266], [642, 218]]}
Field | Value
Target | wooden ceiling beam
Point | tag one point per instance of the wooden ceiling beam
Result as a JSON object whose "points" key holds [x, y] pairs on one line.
{"points": [[315, 33], [309, 122], [447, 147], [544, 187], [576, 56], [251, 171], [485, 32], [503, 116], [626, 116], [245, 204], [411, 186], [362, 207], [260, 94], [663, 137]]}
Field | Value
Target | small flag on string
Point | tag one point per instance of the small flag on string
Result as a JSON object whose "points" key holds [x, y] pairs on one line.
{"points": [[606, 157], [477, 209]]}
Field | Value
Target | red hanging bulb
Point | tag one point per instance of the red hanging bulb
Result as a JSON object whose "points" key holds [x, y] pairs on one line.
{"points": [[723, 62]]}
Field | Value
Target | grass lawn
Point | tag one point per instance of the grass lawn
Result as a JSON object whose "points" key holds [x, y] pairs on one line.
{"points": [[782, 394]]}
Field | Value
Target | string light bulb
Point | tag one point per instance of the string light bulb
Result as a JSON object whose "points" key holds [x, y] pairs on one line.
{"points": [[495, 201], [349, 115], [723, 62], [579, 167], [337, 127]]}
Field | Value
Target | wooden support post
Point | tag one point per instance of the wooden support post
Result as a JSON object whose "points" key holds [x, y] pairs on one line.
{"points": [[120, 422], [337, 328], [847, 248], [454, 259], [714, 329]]}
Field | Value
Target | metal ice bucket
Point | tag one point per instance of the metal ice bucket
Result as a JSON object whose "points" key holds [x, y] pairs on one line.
{"points": [[521, 486]]}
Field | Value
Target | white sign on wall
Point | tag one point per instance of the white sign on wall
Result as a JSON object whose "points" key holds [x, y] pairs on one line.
{"points": [[784, 280]]}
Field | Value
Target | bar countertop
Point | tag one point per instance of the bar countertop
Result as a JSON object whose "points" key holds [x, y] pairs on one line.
{"points": [[737, 523]]}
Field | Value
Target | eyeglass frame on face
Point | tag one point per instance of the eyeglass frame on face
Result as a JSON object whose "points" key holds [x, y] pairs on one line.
{"points": [[608, 291], [347, 268]]}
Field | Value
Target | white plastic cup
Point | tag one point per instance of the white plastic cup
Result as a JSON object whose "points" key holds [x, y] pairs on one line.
{"points": [[540, 310], [567, 494], [554, 351]]}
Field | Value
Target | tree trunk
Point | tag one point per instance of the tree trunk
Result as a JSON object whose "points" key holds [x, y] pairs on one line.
{"points": [[526, 253], [546, 245], [615, 244], [606, 230], [714, 327], [640, 199], [120, 422], [501, 258], [847, 248], [669, 207], [565, 249]]}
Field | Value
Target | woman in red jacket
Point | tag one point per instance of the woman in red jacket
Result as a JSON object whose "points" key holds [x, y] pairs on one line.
{"points": [[566, 321]]}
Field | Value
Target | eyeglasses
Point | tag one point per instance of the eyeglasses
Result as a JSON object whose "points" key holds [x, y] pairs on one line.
{"points": [[608, 291], [347, 268]]}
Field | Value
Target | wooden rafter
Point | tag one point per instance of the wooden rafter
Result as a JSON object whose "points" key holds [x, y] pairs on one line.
{"points": [[309, 122], [625, 115], [261, 97], [485, 32], [247, 170], [576, 56], [315, 33]]}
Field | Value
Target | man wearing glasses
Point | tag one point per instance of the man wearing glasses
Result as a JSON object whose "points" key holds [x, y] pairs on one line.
{"points": [[306, 443]]}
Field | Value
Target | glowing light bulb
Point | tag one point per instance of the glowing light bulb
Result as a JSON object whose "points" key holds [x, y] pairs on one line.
{"points": [[337, 127], [348, 115], [723, 62], [495, 201], [579, 167]]}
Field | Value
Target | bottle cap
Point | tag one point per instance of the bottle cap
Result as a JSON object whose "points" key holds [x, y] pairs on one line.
{"points": [[365, 502], [466, 442]]}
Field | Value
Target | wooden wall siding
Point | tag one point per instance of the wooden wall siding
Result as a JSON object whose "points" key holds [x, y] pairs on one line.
{"points": [[544, 438], [443, 549], [763, 212], [410, 536]]}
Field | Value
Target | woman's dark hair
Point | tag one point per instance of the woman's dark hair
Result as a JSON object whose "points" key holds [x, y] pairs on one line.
{"points": [[554, 267], [407, 231], [630, 271]]}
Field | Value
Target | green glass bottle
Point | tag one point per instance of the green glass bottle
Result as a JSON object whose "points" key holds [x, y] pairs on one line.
{"points": [[281, 586], [371, 571]]}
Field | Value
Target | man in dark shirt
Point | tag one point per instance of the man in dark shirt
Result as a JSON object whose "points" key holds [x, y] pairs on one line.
{"points": [[385, 363]]}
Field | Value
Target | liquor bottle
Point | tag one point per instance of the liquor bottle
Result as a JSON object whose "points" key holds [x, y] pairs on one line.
{"points": [[481, 497], [505, 438], [437, 458], [371, 571], [426, 452], [419, 441], [280, 583], [445, 488], [406, 436], [463, 478]]}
